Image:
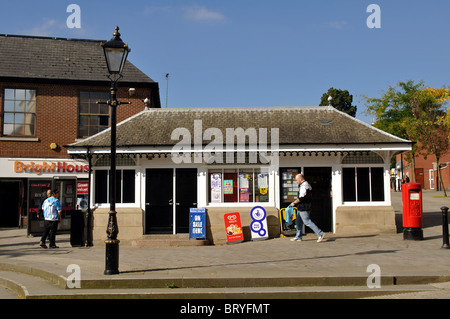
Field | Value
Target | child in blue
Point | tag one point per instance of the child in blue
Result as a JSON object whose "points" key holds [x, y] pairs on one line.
{"points": [[52, 216]]}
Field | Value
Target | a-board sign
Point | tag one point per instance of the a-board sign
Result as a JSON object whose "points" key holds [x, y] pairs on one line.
{"points": [[258, 225], [233, 228], [197, 223]]}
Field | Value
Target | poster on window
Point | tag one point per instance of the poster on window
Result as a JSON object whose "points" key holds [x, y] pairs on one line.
{"points": [[228, 186], [216, 187], [244, 195]]}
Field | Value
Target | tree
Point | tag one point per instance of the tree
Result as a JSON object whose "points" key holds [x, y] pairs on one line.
{"points": [[429, 112], [342, 100], [393, 114], [414, 112]]}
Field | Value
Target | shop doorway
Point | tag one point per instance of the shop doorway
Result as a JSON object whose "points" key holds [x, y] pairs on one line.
{"points": [[169, 195], [12, 203], [320, 180]]}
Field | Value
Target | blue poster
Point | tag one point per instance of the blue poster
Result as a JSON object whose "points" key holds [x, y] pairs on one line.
{"points": [[197, 223]]}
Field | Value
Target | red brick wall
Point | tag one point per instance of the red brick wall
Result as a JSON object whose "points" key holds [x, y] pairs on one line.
{"points": [[57, 117], [426, 165]]}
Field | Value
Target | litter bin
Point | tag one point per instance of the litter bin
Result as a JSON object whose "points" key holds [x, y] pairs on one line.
{"points": [[76, 228]]}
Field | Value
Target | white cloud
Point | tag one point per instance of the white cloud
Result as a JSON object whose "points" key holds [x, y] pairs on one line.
{"points": [[338, 25], [199, 13], [45, 29]]}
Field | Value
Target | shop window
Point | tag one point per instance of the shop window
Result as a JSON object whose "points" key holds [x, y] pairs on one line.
{"points": [[238, 185], [19, 112], [125, 186], [363, 184], [92, 117]]}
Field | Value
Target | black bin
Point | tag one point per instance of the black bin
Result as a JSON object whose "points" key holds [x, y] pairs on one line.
{"points": [[76, 228]]}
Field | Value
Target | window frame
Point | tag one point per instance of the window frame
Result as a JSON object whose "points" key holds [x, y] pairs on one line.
{"points": [[4, 112], [89, 114], [370, 181], [119, 182]]}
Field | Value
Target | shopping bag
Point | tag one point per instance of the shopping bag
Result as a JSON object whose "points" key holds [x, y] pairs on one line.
{"points": [[289, 214]]}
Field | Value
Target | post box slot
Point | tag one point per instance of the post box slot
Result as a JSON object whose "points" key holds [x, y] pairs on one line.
{"points": [[414, 196]]}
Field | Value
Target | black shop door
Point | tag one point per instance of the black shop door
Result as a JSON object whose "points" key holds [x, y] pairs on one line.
{"points": [[185, 197], [166, 208], [321, 212]]}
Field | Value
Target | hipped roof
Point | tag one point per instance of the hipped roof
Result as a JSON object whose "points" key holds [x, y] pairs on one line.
{"points": [[296, 125]]}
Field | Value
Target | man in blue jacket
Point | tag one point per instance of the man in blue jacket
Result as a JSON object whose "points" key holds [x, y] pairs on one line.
{"points": [[52, 215]]}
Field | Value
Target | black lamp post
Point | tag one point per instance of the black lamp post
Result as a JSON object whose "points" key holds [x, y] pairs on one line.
{"points": [[116, 53]]}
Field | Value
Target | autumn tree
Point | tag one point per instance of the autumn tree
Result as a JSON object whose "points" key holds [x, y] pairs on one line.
{"points": [[428, 107], [393, 114], [417, 113]]}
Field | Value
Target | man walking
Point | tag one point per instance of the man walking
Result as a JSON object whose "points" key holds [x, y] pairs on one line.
{"points": [[52, 216], [303, 204]]}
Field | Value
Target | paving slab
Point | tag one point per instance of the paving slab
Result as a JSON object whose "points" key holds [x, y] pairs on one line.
{"points": [[343, 260]]}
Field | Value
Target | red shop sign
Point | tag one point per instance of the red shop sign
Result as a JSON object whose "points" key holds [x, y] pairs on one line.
{"points": [[233, 228], [82, 188]]}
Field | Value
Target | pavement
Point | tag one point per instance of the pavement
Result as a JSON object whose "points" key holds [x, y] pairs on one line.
{"points": [[342, 266]]}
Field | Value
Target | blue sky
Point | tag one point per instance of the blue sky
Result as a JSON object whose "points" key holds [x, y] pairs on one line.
{"points": [[241, 53]]}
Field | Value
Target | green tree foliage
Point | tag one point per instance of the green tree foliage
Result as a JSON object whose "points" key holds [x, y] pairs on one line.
{"points": [[414, 112], [342, 100]]}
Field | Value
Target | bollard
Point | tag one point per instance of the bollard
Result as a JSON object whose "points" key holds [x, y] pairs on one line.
{"points": [[445, 243]]}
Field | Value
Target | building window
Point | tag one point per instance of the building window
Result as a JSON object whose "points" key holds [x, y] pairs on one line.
{"points": [[245, 185], [19, 112], [363, 184], [125, 186], [93, 118]]}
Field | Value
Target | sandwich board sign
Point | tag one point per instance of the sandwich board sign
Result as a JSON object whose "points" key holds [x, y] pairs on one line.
{"points": [[233, 228], [197, 223], [258, 226]]}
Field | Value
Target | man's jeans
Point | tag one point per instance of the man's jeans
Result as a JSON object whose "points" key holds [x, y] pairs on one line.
{"points": [[303, 218]]}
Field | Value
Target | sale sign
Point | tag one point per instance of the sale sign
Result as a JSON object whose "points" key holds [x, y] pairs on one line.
{"points": [[233, 228]]}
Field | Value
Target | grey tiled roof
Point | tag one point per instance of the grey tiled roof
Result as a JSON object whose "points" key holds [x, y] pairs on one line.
{"points": [[297, 125], [41, 58]]}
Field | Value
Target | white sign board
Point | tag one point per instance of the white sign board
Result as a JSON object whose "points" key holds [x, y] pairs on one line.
{"points": [[258, 226]]}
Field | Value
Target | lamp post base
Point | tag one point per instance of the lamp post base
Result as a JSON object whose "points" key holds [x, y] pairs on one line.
{"points": [[112, 257]]}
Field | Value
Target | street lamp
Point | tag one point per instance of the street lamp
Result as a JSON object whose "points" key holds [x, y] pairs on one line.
{"points": [[116, 53]]}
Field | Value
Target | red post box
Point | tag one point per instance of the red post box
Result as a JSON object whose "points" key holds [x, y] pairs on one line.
{"points": [[412, 211]]}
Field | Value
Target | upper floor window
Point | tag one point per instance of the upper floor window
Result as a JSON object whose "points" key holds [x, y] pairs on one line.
{"points": [[19, 112], [92, 118]]}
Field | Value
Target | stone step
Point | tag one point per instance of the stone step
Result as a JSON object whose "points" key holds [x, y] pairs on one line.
{"points": [[179, 240], [32, 287]]}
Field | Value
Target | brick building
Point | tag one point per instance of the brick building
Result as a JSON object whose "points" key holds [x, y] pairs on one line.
{"points": [[48, 93], [426, 170]]}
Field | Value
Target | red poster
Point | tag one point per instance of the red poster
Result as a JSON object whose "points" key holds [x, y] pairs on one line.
{"points": [[233, 228], [82, 188]]}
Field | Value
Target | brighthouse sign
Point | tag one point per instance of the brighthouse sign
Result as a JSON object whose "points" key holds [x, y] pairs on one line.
{"points": [[44, 167]]}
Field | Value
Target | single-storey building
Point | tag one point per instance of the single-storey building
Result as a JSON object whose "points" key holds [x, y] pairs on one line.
{"points": [[233, 159]]}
